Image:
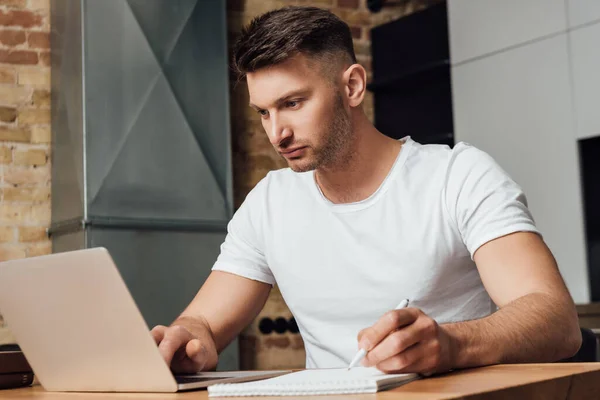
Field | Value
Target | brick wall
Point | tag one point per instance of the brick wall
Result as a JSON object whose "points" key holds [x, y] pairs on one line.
{"points": [[24, 130], [253, 155]]}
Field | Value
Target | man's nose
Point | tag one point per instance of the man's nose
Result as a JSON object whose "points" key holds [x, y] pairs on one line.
{"points": [[280, 131]]}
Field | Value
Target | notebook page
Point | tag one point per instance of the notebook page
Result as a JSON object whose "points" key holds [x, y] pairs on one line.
{"points": [[315, 381]]}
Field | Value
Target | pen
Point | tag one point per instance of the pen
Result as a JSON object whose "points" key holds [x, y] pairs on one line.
{"points": [[362, 352]]}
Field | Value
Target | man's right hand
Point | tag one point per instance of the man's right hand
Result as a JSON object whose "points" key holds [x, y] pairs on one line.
{"points": [[193, 341], [182, 351]]}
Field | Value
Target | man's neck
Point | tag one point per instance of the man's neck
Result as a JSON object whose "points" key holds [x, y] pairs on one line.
{"points": [[362, 172]]}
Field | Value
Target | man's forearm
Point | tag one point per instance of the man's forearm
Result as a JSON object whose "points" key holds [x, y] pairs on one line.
{"points": [[533, 328], [198, 327]]}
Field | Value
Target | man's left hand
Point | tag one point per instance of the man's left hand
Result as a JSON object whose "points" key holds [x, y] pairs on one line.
{"points": [[406, 340]]}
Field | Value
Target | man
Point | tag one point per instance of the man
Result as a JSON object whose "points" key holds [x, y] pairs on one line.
{"points": [[361, 221]]}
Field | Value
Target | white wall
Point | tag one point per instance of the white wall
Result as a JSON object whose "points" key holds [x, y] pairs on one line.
{"points": [[526, 85], [582, 12], [481, 27], [585, 62]]}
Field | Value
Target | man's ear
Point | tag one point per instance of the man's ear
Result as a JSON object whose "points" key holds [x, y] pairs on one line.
{"points": [[355, 84]]}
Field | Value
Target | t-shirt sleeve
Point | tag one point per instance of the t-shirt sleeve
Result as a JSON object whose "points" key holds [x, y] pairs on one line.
{"points": [[242, 252], [482, 199]]}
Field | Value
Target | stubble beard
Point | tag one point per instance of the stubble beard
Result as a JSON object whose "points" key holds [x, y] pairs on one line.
{"points": [[335, 150]]}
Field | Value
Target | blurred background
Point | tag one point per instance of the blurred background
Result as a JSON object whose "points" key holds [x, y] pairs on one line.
{"points": [[122, 126]]}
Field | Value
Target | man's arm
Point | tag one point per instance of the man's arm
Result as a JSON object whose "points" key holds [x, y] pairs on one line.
{"points": [[224, 305], [536, 321]]}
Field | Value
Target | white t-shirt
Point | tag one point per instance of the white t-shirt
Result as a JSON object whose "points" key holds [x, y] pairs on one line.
{"points": [[340, 267]]}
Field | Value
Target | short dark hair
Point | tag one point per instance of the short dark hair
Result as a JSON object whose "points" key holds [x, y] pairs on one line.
{"points": [[277, 35]]}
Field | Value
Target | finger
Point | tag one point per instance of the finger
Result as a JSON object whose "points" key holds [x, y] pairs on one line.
{"points": [[395, 343], [174, 338], [197, 353], [190, 358], [426, 365], [388, 323], [158, 332], [361, 334], [407, 361], [423, 358]]}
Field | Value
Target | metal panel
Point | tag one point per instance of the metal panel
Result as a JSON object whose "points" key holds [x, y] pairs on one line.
{"points": [[141, 153], [158, 126], [67, 112], [199, 59], [68, 241], [163, 270]]}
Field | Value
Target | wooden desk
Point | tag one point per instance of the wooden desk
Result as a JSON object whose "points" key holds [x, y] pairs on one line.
{"points": [[524, 381]]}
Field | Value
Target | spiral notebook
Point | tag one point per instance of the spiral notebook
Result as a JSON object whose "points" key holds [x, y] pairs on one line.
{"points": [[316, 382]]}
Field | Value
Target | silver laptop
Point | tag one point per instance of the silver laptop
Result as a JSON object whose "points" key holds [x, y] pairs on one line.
{"points": [[80, 329]]}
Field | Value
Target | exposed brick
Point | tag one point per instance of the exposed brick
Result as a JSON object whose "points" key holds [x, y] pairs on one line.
{"points": [[248, 351], [23, 57], [39, 249], [13, 213], [41, 134], [259, 166], [40, 213], [255, 7], [41, 98], [330, 4], [356, 32], [315, 3], [30, 157], [8, 114], [32, 233], [354, 17], [25, 173], [365, 61], [38, 40], [34, 116], [14, 135], [348, 3], [42, 5], [7, 234], [45, 58], [25, 19], [14, 95], [34, 76], [277, 341], [24, 214], [26, 194], [13, 3], [7, 75], [12, 252], [297, 343], [5, 155], [362, 48], [17, 175], [12, 37]]}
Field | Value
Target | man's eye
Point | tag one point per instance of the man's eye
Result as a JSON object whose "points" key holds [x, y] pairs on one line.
{"points": [[292, 104], [263, 113]]}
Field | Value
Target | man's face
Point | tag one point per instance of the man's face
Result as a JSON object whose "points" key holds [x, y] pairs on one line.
{"points": [[302, 112]]}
